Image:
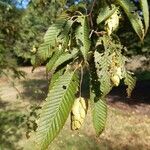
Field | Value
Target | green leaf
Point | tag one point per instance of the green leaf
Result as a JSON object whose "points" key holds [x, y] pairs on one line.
{"points": [[145, 10], [44, 52], [105, 12], [57, 35], [106, 85], [98, 103], [49, 45], [56, 76], [130, 82], [102, 63], [133, 16], [63, 38], [59, 59], [56, 108], [53, 31], [53, 60], [99, 114], [82, 36]]}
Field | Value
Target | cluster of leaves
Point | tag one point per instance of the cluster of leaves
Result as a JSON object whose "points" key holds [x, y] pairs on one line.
{"points": [[72, 49]]}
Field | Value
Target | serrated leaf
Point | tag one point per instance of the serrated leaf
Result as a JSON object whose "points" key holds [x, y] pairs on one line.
{"points": [[82, 36], [56, 109], [55, 77], [53, 59], [145, 11], [44, 52], [102, 63], [98, 106], [106, 85], [99, 114], [57, 34], [47, 48], [105, 12], [65, 57], [63, 38], [59, 59], [130, 82], [133, 16], [53, 31]]}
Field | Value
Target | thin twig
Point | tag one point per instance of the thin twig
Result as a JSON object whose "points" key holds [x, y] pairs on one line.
{"points": [[97, 33], [100, 33], [90, 14], [81, 81], [93, 4], [91, 34]]}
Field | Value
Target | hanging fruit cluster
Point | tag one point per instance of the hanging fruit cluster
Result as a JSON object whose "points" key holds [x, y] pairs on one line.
{"points": [[78, 113], [112, 23], [115, 70]]}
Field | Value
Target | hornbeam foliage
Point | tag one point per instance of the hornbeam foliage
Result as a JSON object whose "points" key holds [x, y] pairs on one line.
{"points": [[82, 49]]}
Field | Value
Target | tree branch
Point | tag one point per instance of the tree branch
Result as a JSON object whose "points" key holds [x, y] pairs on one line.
{"points": [[90, 14]]}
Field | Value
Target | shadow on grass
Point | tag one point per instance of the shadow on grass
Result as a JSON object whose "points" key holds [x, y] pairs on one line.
{"points": [[140, 98], [3, 104], [35, 89], [81, 142], [140, 94], [10, 134], [105, 144]]}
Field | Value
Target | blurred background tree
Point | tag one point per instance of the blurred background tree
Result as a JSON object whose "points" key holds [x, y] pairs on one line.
{"points": [[35, 20], [23, 26], [24, 22], [9, 26], [130, 39]]}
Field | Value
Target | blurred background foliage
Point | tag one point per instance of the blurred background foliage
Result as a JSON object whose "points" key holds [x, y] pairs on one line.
{"points": [[22, 26], [24, 22]]}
